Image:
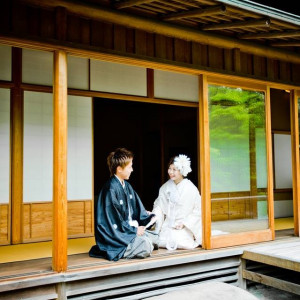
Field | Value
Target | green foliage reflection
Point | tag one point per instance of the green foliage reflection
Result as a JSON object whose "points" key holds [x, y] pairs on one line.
{"points": [[235, 115]]}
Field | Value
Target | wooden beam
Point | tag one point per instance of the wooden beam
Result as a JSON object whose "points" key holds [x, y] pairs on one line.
{"points": [[129, 3], [241, 238], [286, 44], [204, 161], [61, 23], [172, 30], [59, 250], [272, 281], [213, 10], [17, 107], [271, 35], [294, 96], [244, 24], [269, 152]]}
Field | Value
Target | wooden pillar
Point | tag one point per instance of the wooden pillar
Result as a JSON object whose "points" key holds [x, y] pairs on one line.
{"points": [[242, 283], [295, 158], [269, 163], [17, 107], [59, 250], [150, 83], [204, 162]]}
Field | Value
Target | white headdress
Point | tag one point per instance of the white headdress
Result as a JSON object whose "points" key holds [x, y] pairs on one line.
{"points": [[183, 164]]}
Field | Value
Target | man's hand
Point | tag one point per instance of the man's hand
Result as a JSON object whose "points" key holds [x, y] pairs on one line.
{"points": [[141, 230]]}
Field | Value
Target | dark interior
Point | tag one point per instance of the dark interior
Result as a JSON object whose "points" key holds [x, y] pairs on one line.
{"points": [[154, 132]]}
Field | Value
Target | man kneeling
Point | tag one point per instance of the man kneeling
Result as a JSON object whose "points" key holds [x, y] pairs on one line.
{"points": [[120, 217]]}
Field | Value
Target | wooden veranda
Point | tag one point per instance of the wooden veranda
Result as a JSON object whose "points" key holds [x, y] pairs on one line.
{"points": [[91, 278]]}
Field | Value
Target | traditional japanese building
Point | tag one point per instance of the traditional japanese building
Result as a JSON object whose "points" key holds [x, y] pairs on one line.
{"points": [[217, 80]]}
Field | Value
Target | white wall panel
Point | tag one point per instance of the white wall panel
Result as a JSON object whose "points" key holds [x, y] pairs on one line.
{"points": [[78, 73], [175, 86], [5, 63], [38, 147], [283, 161], [37, 67], [283, 208], [80, 148], [4, 145], [118, 78]]}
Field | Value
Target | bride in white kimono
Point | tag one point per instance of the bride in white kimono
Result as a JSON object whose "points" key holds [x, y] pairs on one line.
{"points": [[178, 208]]}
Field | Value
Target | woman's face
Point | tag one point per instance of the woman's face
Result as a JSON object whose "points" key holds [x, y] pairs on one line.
{"points": [[174, 174]]}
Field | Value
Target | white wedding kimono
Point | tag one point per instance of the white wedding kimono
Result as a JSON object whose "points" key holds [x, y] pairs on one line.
{"points": [[178, 203]]}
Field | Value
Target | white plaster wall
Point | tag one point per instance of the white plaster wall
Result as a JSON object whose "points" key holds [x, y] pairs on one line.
{"points": [[283, 208], [283, 161]]}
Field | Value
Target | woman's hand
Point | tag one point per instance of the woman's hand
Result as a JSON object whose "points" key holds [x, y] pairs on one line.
{"points": [[140, 230], [179, 226]]}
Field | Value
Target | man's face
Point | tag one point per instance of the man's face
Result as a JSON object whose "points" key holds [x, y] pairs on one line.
{"points": [[124, 173]]}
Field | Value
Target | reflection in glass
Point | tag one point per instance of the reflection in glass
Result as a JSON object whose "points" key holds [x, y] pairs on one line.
{"points": [[238, 159]]}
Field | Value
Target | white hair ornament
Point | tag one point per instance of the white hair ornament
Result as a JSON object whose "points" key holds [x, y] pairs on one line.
{"points": [[183, 164]]}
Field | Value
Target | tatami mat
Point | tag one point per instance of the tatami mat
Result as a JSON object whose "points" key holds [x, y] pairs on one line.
{"points": [[284, 223], [40, 250]]}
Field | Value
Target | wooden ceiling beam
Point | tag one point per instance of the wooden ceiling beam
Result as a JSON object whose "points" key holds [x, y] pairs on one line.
{"points": [[270, 35], [130, 3], [167, 29], [287, 44], [220, 9], [244, 24]]}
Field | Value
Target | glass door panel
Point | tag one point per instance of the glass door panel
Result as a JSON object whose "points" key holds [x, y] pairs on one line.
{"points": [[238, 160]]}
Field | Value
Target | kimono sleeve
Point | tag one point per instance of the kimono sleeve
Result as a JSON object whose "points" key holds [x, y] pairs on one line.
{"points": [[194, 221]]}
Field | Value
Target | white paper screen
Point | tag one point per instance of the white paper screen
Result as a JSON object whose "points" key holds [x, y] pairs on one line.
{"points": [[79, 148], [78, 73], [175, 86], [4, 145], [37, 67], [38, 147], [118, 78]]}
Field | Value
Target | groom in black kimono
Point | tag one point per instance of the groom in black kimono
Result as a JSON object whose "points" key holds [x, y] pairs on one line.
{"points": [[120, 217]]}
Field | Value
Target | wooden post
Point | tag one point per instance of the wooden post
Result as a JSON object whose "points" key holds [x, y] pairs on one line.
{"points": [[59, 250], [17, 107], [269, 163], [61, 290], [241, 280], [204, 162], [150, 83], [295, 158]]}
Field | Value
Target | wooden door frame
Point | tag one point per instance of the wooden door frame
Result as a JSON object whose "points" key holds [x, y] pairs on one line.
{"points": [[294, 95]]}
